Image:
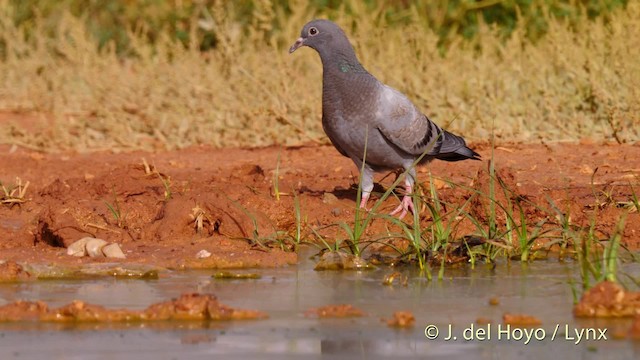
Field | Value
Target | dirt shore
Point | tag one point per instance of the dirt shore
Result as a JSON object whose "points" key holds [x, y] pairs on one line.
{"points": [[153, 207]]}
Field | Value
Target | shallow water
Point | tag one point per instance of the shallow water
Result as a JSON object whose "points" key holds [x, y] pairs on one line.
{"points": [[541, 289]]}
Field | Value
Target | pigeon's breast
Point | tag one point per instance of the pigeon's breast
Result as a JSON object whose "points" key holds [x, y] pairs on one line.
{"points": [[351, 117]]}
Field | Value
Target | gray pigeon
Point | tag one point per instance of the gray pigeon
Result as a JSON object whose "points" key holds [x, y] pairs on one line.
{"points": [[359, 109]]}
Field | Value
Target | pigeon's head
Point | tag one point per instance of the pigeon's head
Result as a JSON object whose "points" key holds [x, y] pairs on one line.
{"points": [[318, 34]]}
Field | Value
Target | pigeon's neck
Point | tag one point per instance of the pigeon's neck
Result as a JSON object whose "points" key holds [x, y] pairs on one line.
{"points": [[342, 68], [344, 81], [343, 63], [341, 59]]}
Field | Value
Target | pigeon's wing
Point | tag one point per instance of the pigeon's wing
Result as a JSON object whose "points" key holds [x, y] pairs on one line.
{"points": [[403, 125]]}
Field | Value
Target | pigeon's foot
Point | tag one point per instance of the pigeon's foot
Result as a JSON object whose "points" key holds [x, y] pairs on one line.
{"points": [[405, 206]]}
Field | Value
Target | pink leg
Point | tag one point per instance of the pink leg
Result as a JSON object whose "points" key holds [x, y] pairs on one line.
{"points": [[406, 204], [363, 202]]}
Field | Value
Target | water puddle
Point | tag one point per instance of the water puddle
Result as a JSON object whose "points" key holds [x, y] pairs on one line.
{"points": [[451, 307]]}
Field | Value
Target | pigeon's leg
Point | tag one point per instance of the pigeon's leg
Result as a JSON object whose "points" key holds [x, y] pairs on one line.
{"points": [[406, 204], [366, 185], [366, 181], [363, 202]]}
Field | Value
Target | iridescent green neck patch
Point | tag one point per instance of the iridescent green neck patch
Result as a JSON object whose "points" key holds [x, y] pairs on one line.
{"points": [[346, 67]]}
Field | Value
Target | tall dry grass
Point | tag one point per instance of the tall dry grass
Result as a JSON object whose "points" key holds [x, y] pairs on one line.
{"points": [[579, 80]]}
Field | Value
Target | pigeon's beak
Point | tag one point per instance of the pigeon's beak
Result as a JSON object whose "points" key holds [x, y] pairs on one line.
{"points": [[296, 45]]}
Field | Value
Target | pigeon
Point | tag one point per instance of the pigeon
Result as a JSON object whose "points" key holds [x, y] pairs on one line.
{"points": [[361, 113]]}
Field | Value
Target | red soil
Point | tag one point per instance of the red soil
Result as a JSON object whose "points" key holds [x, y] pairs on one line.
{"points": [[68, 195]]}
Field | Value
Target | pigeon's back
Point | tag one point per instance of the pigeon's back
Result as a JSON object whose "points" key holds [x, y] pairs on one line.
{"points": [[358, 111]]}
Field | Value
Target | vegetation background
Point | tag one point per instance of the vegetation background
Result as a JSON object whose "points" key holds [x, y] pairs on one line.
{"points": [[126, 74]]}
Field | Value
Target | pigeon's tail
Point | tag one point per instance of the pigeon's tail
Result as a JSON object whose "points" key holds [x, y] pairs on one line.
{"points": [[461, 154], [454, 148]]}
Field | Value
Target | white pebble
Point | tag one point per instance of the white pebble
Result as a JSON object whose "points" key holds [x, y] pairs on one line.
{"points": [[203, 254], [113, 251], [94, 247], [78, 248]]}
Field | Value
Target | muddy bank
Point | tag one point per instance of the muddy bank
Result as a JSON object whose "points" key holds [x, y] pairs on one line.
{"points": [[165, 208]]}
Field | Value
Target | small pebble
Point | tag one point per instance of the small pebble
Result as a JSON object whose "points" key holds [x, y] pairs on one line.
{"points": [[329, 198], [202, 254], [78, 248], [113, 251], [94, 247]]}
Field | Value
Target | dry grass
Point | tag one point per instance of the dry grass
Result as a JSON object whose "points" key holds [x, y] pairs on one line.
{"points": [[577, 81], [13, 194]]}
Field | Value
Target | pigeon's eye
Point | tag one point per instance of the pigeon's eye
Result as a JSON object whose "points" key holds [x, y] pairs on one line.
{"points": [[313, 31]]}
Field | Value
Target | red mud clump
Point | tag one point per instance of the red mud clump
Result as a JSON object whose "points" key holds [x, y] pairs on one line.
{"points": [[187, 307], [608, 299], [402, 319], [335, 311], [521, 320], [634, 331], [11, 271]]}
